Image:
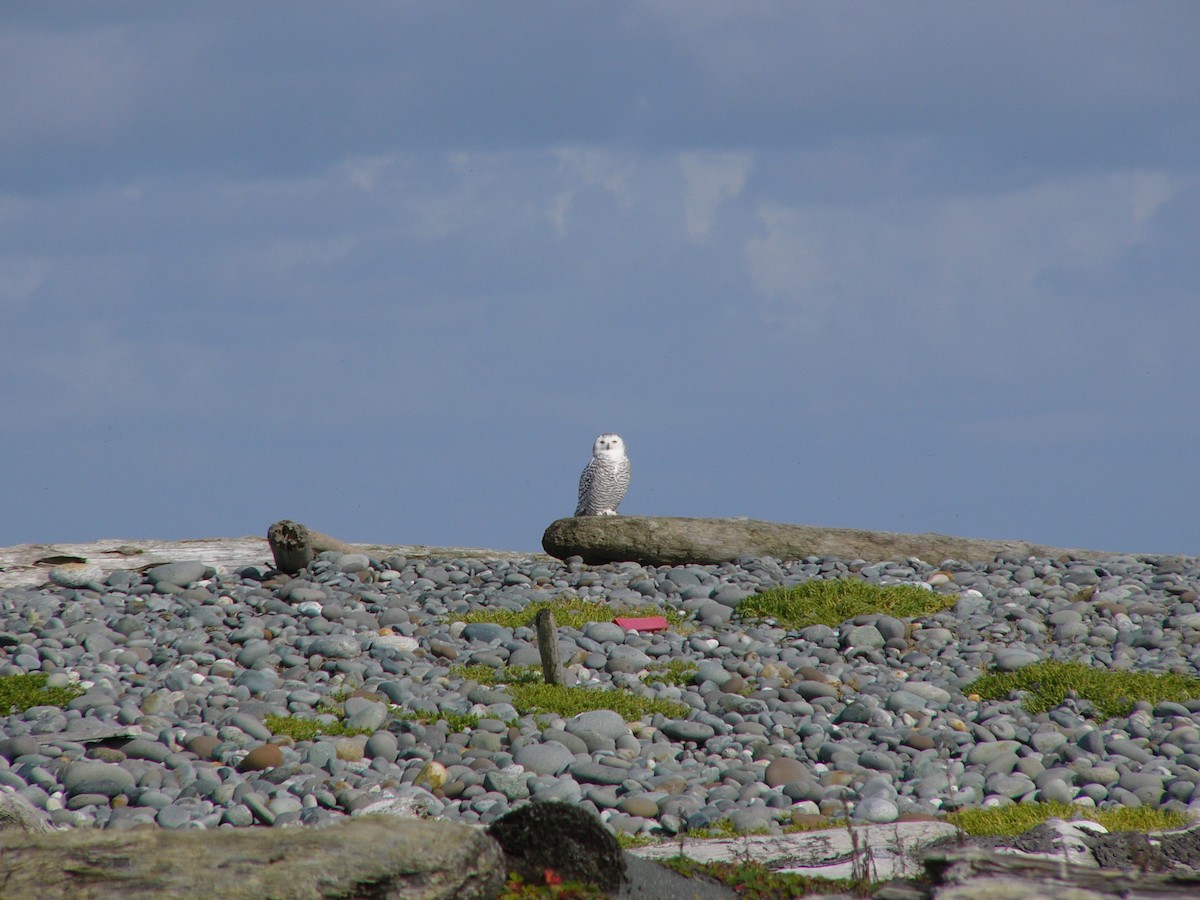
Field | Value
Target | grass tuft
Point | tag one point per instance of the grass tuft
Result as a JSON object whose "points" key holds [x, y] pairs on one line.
{"points": [[832, 601], [20, 692], [679, 672], [302, 729], [530, 694], [1020, 817], [569, 612], [1047, 684]]}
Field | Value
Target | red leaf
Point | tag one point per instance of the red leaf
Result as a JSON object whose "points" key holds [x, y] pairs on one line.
{"points": [[552, 877]]}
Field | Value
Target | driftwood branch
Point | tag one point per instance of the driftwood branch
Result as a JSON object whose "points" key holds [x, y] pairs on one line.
{"points": [[975, 874], [373, 856]]}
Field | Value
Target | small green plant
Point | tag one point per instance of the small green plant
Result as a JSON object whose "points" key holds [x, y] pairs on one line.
{"points": [[569, 612], [628, 841], [1047, 684], [516, 888], [455, 722], [679, 672], [530, 694], [19, 692], [1020, 817], [722, 828], [834, 600], [302, 729], [505, 675]]}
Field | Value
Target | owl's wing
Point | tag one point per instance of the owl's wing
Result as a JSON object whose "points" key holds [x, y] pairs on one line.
{"points": [[585, 485]]}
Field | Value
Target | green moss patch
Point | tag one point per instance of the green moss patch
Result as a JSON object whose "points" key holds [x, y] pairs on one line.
{"points": [[679, 672], [530, 694], [569, 612], [1020, 817], [1047, 684], [20, 692], [834, 600], [299, 728]]}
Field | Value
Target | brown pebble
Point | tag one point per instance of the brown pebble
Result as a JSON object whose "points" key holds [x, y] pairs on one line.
{"points": [[808, 673], [107, 754], [264, 756], [809, 820], [735, 685], [920, 741], [203, 745], [349, 751], [836, 779]]}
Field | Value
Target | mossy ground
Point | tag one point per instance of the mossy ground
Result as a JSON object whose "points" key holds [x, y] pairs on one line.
{"points": [[1020, 817], [1112, 693], [834, 600], [530, 694], [299, 728], [569, 612], [20, 692], [679, 672]]}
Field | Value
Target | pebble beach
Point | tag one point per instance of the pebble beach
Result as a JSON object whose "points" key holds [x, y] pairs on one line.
{"points": [[181, 667]]}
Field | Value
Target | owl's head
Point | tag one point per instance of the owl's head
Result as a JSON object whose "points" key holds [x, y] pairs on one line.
{"points": [[609, 446]]}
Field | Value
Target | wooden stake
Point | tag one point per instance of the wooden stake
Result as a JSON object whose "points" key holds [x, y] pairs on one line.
{"points": [[547, 635]]}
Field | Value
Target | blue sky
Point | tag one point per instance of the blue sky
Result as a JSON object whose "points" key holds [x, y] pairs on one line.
{"points": [[388, 268]]}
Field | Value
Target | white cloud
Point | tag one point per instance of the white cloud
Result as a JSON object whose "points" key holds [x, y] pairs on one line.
{"points": [[583, 168], [961, 257], [711, 179]]}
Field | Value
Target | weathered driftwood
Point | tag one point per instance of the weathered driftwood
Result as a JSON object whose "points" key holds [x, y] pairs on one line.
{"points": [[658, 540], [372, 856], [30, 564], [887, 851], [547, 638], [294, 546], [975, 874]]}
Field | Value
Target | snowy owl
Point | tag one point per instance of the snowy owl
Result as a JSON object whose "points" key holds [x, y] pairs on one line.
{"points": [[605, 478]]}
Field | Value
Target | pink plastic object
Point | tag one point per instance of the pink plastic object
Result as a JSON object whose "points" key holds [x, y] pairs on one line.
{"points": [[649, 623]]}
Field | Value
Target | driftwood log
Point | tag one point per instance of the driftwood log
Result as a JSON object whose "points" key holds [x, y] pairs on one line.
{"points": [[975, 874], [668, 541], [29, 565], [294, 546], [372, 856]]}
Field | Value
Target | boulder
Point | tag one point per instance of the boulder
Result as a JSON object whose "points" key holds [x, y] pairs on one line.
{"points": [[671, 541], [561, 838], [372, 856]]}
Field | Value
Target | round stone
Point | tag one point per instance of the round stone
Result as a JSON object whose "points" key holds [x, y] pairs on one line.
{"points": [[264, 756], [685, 730], [604, 632], [382, 745], [1010, 659], [601, 721], [877, 810], [785, 770], [335, 646], [180, 574], [97, 778], [545, 759]]}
